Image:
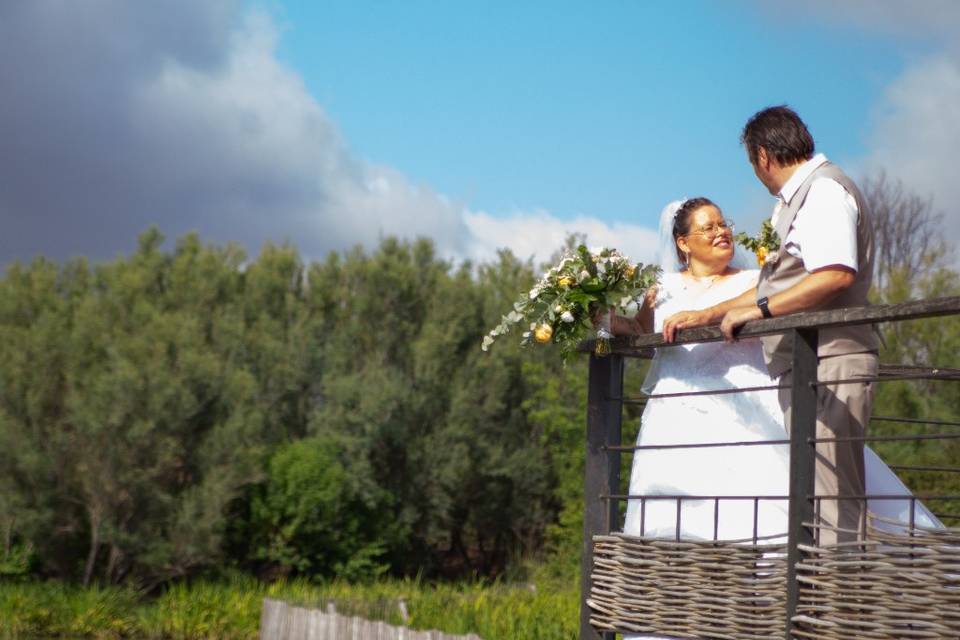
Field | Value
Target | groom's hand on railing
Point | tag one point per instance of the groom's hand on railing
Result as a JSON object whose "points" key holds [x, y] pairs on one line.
{"points": [[736, 318]]}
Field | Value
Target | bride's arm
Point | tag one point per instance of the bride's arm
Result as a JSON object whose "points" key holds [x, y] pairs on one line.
{"points": [[641, 323], [708, 316]]}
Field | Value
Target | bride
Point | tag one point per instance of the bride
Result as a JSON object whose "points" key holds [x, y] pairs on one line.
{"points": [[697, 256]]}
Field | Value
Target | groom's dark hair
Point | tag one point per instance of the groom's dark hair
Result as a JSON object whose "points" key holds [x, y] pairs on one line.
{"points": [[781, 132]]}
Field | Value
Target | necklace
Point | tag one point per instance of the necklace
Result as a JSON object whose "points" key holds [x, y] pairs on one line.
{"points": [[705, 281]]}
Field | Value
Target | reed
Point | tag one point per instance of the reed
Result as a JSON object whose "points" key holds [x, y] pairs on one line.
{"points": [[229, 608]]}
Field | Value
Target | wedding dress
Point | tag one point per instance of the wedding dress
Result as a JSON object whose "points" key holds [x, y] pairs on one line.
{"points": [[750, 416], [744, 416], [734, 417]]}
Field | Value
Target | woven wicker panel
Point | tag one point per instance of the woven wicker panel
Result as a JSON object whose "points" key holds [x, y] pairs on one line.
{"points": [[892, 586], [723, 590]]}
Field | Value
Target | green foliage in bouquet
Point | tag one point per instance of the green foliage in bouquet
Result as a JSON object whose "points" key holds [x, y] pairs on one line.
{"points": [[763, 244], [558, 307]]}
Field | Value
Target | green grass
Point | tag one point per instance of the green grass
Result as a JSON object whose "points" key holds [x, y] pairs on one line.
{"points": [[230, 608]]}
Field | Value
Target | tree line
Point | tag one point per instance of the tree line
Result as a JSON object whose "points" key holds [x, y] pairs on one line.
{"points": [[176, 411]]}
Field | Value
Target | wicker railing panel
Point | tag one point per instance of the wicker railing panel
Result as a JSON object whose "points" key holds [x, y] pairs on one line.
{"points": [[892, 586], [686, 589]]}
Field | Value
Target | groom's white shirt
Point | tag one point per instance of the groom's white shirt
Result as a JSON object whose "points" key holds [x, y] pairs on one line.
{"points": [[824, 231]]}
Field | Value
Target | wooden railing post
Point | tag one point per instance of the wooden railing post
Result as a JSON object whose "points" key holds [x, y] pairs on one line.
{"points": [[803, 424], [601, 470]]}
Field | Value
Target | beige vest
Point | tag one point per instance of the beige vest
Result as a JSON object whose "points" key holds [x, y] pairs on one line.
{"points": [[782, 271]]}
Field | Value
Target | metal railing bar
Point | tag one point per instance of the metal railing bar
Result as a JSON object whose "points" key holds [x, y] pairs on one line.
{"points": [[909, 496], [917, 467], [893, 369], [941, 423], [716, 518], [816, 510], [756, 518], [888, 378], [644, 497], [687, 394], [705, 445], [637, 345], [679, 509], [929, 436]]}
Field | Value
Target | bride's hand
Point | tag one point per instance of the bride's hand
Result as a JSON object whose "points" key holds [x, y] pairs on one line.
{"points": [[683, 320], [605, 319]]}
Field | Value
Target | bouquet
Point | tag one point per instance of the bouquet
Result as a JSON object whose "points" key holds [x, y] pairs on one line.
{"points": [[765, 242], [558, 308]]}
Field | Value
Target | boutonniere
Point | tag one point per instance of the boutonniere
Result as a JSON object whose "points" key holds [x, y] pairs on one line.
{"points": [[763, 244]]}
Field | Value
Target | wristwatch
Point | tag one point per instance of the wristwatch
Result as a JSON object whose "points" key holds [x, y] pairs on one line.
{"points": [[764, 309]]}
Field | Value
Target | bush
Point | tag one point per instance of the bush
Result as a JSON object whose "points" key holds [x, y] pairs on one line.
{"points": [[312, 516]]}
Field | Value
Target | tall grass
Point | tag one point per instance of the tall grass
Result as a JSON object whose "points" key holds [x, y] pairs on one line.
{"points": [[230, 608], [52, 609]]}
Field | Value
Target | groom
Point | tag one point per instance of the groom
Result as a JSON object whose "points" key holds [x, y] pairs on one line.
{"points": [[825, 261]]}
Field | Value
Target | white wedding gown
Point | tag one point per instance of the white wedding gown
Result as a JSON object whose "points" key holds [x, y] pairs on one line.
{"points": [[759, 470]]}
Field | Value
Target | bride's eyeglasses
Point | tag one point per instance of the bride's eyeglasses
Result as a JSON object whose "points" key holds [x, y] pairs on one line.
{"points": [[711, 231]]}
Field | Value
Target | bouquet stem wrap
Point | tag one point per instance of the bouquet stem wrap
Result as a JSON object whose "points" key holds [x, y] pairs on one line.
{"points": [[604, 333]]}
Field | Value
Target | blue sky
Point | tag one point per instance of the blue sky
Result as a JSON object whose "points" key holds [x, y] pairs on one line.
{"points": [[481, 125], [608, 109]]}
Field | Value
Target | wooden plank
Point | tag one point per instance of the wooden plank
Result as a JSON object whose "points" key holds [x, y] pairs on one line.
{"points": [[601, 470], [281, 621], [639, 346], [803, 426]]}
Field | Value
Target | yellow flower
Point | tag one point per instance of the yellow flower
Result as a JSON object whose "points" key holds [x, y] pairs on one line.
{"points": [[761, 255], [629, 271], [543, 333], [565, 281]]}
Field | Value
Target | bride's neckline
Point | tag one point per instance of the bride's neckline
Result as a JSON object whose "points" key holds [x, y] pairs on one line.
{"points": [[708, 281]]}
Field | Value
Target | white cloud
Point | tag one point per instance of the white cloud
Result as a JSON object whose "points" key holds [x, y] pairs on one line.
{"points": [[909, 18], [271, 140], [539, 234], [189, 121], [916, 131]]}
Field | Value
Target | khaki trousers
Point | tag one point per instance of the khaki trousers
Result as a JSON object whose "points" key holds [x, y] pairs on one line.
{"points": [[843, 410]]}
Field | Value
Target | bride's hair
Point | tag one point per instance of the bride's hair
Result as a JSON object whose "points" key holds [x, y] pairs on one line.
{"points": [[681, 221]]}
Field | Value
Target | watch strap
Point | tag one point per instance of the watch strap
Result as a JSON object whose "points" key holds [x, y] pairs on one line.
{"points": [[764, 309]]}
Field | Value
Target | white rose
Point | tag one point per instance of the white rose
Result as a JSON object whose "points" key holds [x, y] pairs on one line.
{"points": [[566, 316]]}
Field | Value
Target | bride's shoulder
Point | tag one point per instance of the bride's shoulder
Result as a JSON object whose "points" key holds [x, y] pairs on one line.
{"points": [[668, 281], [748, 274], [747, 277]]}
